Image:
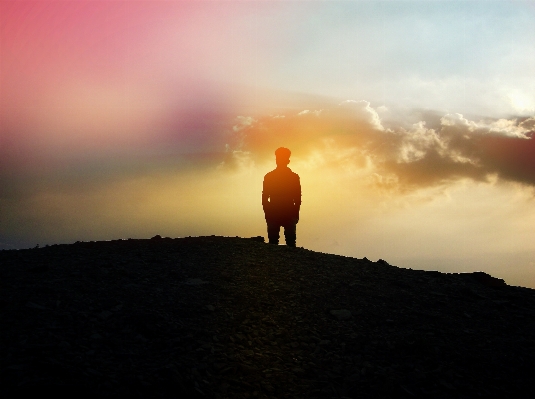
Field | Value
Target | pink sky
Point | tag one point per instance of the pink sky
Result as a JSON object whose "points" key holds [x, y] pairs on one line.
{"points": [[93, 76]]}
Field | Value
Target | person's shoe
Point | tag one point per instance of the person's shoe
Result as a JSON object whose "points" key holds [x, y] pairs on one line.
{"points": [[291, 244]]}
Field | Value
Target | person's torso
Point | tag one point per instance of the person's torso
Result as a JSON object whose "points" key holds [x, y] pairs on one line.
{"points": [[282, 186]]}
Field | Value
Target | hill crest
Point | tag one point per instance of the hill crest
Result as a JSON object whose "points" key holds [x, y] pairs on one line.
{"points": [[224, 317]]}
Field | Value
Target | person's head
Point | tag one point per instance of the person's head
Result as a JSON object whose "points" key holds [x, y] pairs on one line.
{"points": [[282, 156]]}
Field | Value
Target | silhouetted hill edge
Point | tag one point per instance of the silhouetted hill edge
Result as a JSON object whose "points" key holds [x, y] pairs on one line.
{"points": [[224, 317]]}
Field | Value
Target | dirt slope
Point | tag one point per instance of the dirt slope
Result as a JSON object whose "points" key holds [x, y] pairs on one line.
{"points": [[220, 317]]}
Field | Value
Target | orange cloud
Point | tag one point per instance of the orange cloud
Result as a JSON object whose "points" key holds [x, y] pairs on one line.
{"points": [[351, 137]]}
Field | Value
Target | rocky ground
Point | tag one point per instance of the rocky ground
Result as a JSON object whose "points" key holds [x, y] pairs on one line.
{"points": [[219, 317]]}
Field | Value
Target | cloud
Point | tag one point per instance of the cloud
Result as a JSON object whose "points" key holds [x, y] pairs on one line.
{"points": [[368, 181], [500, 127], [352, 139]]}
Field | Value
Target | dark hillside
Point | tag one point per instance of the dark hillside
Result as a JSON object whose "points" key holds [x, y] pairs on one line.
{"points": [[217, 317]]}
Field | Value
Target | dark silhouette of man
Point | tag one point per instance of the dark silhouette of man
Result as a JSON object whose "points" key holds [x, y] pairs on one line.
{"points": [[281, 199]]}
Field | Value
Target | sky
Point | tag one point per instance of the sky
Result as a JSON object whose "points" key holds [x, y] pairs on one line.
{"points": [[411, 125]]}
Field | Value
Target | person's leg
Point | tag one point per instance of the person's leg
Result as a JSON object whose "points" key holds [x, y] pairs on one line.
{"points": [[289, 233], [273, 229]]}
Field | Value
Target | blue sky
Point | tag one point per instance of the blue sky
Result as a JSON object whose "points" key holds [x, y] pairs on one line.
{"points": [[457, 56]]}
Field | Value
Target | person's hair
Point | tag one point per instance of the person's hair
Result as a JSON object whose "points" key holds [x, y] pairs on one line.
{"points": [[283, 153]]}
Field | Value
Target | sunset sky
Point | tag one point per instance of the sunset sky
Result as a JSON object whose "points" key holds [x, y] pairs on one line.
{"points": [[411, 125]]}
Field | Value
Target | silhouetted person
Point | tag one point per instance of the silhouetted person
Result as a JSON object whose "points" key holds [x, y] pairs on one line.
{"points": [[281, 199]]}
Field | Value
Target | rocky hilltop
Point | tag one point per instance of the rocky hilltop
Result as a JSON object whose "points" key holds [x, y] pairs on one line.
{"points": [[220, 317]]}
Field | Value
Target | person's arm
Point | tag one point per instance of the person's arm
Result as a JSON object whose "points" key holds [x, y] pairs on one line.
{"points": [[265, 195], [297, 199]]}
